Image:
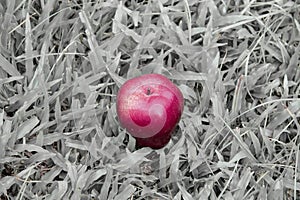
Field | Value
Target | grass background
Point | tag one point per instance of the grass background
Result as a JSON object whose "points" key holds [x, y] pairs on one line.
{"points": [[236, 62]]}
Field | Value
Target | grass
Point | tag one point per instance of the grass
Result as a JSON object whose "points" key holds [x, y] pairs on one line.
{"points": [[236, 62]]}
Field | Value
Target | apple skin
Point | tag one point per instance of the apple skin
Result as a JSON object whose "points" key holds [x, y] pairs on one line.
{"points": [[149, 107]]}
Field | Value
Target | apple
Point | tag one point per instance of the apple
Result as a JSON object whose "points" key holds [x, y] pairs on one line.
{"points": [[149, 107]]}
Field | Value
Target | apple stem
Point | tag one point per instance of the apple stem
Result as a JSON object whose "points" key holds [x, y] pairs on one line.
{"points": [[148, 91]]}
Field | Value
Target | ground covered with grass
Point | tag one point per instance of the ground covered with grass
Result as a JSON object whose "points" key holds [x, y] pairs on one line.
{"points": [[236, 63]]}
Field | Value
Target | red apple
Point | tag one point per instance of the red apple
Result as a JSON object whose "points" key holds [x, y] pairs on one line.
{"points": [[149, 107]]}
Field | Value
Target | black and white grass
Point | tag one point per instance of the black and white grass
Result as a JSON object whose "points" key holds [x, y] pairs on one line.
{"points": [[236, 63]]}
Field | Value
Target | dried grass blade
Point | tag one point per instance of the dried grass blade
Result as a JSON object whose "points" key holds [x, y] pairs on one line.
{"points": [[8, 67]]}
